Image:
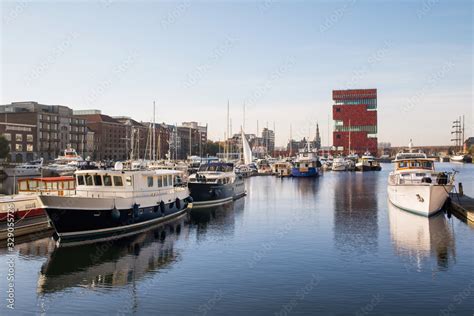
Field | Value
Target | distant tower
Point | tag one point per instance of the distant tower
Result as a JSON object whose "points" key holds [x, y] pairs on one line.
{"points": [[317, 140]]}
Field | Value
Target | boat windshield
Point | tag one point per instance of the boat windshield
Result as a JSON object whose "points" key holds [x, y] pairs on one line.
{"points": [[415, 164], [216, 167]]}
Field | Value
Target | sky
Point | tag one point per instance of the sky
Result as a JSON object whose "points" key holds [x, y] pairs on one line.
{"points": [[282, 59]]}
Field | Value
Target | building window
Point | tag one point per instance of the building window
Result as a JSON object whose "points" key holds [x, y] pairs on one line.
{"points": [[18, 147], [29, 138], [19, 137], [7, 136], [29, 147]]}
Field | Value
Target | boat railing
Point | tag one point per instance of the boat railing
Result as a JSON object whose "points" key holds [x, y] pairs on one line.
{"points": [[437, 178]]}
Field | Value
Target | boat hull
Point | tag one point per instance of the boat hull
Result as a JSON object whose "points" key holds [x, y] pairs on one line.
{"points": [[337, 167], [360, 167], [305, 172], [16, 172], [424, 200], [211, 194], [100, 217]]}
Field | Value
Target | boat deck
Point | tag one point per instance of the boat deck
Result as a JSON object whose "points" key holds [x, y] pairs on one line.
{"points": [[463, 207]]}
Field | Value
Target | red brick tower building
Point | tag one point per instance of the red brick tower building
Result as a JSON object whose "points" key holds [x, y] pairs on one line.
{"points": [[355, 120]]}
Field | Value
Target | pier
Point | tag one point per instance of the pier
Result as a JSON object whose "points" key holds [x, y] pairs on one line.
{"points": [[463, 206]]}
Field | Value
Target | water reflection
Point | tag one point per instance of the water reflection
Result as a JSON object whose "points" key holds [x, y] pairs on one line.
{"points": [[307, 186], [220, 218], [112, 263], [355, 212], [416, 238]]}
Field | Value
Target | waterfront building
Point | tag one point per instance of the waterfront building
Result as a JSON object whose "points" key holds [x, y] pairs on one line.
{"points": [[111, 137], [468, 144], [37, 130], [268, 140], [21, 139], [355, 120], [192, 138]]}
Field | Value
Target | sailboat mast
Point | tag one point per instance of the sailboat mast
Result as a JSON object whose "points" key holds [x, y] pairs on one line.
{"points": [[243, 122], [462, 139], [227, 134], [291, 140], [349, 137], [153, 135]]}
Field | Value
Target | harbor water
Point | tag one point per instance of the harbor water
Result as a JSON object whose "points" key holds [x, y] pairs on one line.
{"points": [[332, 245]]}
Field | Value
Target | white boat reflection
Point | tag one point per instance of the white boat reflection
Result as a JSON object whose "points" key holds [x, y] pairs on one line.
{"points": [[417, 238]]}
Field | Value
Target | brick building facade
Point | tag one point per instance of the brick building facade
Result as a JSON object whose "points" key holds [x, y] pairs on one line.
{"points": [[51, 129], [355, 120]]}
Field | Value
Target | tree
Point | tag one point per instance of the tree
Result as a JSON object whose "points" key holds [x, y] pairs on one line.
{"points": [[212, 148], [4, 148]]}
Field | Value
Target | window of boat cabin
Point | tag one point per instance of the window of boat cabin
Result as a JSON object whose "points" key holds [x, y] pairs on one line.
{"points": [[402, 164], [160, 181], [32, 184], [150, 181], [427, 164], [23, 185], [80, 180], [118, 182], [165, 181], [107, 181], [97, 180], [89, 180], [128, 180], [170, 180], [415, 164]]}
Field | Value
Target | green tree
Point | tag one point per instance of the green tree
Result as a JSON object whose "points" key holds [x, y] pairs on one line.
{"points": [[4, 149], [212, 148]]}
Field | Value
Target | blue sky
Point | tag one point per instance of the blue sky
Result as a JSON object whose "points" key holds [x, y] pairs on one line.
{"points": [[281, 58]]}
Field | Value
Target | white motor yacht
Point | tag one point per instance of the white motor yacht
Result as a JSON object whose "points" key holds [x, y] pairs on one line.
{"points": [[415, 186]]}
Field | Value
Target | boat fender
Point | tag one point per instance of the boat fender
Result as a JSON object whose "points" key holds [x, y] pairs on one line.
{"points": [[162, 207], [178, 203], [135, 209], [426, 180], [115, 214], [189, 199]]}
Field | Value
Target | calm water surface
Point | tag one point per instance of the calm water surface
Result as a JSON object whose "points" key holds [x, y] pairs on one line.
{"points": [[331, 245]]}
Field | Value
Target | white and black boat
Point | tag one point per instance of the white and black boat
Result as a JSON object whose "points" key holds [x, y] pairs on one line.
{"points": [[368, 163], [109, 202], [215, 183], [29, 169]]}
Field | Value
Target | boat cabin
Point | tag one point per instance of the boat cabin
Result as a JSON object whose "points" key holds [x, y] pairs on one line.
{"points": [[413, 161], [47, 186], [113, 180], [214, 172]]}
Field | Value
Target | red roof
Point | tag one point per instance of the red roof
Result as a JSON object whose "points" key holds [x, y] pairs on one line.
{"points": [[98, 118]]}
